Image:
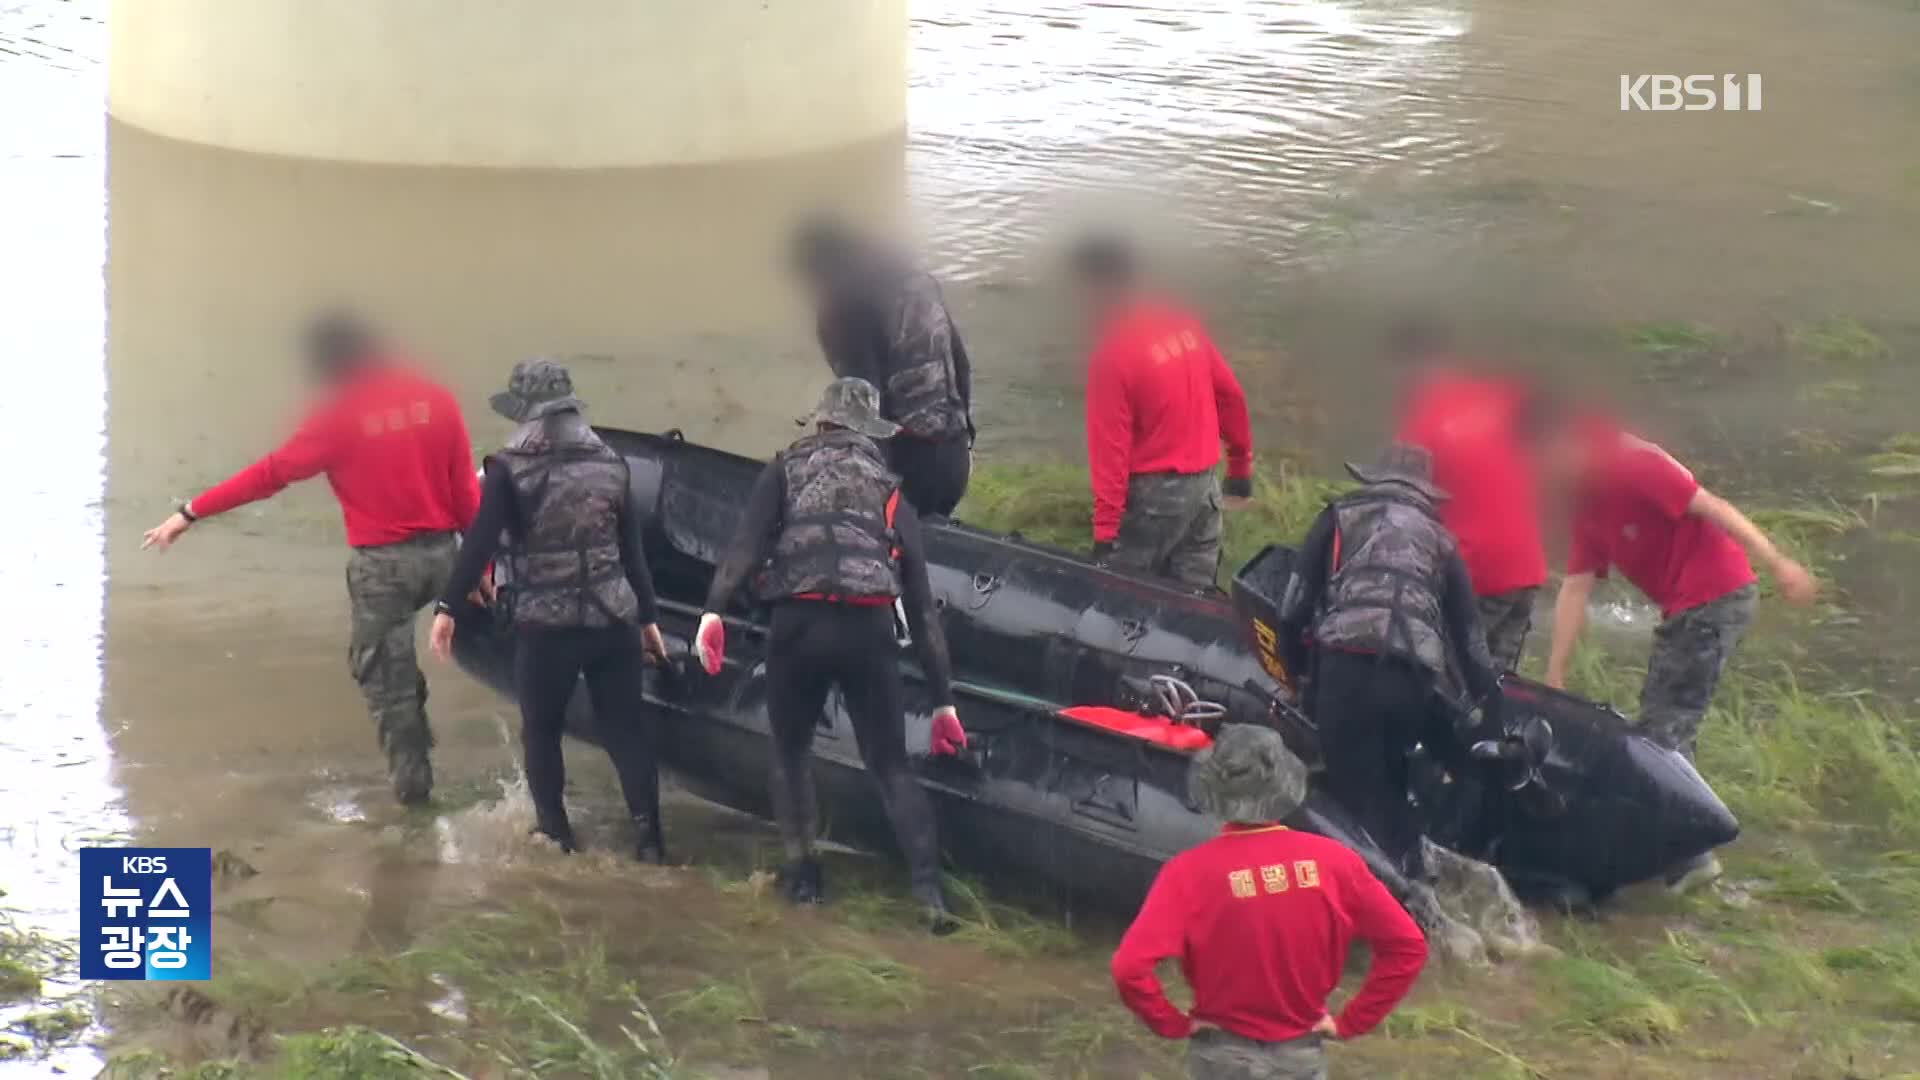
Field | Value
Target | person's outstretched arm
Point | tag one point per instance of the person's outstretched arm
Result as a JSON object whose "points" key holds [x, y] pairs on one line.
{"points": [[753, 539], [923, 619], [1796, 584], [482, 539], [1569, 619], [1461, 610], [1236, 428]]}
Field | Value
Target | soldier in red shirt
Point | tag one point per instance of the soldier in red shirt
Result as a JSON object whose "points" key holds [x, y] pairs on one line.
{"points": [[394, 447], [1160, 401], [1261, 919], [1474, 424], [1637, 509]]}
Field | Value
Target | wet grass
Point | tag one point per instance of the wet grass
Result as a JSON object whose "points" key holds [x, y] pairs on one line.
{"points": [[1837, 340], [1676, 342]]}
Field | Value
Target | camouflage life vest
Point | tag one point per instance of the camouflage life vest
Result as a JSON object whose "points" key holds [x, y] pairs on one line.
{"points": [[836, 528], [922, 391], [1389, 565], [564, 559]]}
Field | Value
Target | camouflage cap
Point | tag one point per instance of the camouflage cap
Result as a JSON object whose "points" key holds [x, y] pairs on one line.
{"points": [[1400, 463], [1247, 775], [537, 388], [855, 405]]}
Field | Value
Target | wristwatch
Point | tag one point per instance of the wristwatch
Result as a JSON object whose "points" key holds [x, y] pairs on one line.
{"points": [[185, 510], [441, 607]]}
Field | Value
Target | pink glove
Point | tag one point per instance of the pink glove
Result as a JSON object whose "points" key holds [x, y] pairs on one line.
{"points": [[711, 642], [948, 736]]}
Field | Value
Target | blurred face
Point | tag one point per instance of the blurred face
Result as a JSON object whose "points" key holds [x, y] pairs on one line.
{"points": [[1563, 456]]}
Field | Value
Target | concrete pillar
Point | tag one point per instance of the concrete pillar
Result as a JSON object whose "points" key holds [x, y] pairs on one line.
{"points": [[512, 83]]}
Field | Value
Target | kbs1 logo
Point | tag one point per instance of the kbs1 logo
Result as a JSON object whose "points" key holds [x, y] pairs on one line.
{"points": [[1689, 93], [146, 913]]}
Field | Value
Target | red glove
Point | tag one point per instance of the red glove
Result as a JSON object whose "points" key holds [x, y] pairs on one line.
{"points": [[948, 736], [711, 642]]}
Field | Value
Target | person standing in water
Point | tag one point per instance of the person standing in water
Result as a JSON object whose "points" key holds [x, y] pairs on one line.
{"points": [[836, 545], [1637, 509], [1475, 425], [580, 599], [394, 448], [882, 319], [1261, 918], [1160, 401]]}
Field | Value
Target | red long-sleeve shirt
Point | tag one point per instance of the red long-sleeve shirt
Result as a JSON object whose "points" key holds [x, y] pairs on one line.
{"points": [[1160, 398], [1261, 919], [394, 448]]}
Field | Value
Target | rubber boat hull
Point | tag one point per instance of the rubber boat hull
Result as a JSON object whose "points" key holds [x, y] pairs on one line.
{"points": [[1089, 811]]}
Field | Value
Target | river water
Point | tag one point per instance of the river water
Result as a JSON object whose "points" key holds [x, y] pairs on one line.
{"points": [[1313, 170]]}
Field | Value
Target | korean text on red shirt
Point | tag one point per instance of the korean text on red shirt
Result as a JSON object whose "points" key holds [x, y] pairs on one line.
{"points": [[1261, 920], [1160, 398]]}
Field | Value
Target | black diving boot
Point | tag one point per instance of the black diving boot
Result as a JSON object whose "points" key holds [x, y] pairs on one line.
{"points": [[933, 904], [652, 849], [801, 882], [560, 832]]}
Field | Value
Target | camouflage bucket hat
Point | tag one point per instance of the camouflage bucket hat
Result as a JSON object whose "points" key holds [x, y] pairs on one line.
{"points": [[537, 388], [855, 405], [1247, 775], [1400, 463]]}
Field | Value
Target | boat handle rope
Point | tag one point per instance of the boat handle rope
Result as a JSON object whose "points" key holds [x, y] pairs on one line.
{"points": [[1182, 704]]}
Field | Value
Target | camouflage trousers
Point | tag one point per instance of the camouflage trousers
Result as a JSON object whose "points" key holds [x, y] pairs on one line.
{"points": [[386, 587], [1214, 1054], [1507, 617], [1171, 528], [1690, 650]]}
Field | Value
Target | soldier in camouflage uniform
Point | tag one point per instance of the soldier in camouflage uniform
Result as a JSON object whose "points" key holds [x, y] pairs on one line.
{"points": [[835, 546], [1640, 511], [580, 598], [394, 448], [1161, 402], [882, 319], [1382, 599]]}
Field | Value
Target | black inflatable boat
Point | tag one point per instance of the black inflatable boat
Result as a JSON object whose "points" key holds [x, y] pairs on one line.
{"points": [[1069, 779]]}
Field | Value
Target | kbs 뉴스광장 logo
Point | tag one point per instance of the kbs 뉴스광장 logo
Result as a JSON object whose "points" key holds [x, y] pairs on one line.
{"points": [[146, 913]]}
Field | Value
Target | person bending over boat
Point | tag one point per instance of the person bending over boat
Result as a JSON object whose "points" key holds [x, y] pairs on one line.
{"points": [[1160, 400], [580, 600], [882, 319], [394, 448], [1261, 918], [1381, 604], [838, 545], [1637, 509]]}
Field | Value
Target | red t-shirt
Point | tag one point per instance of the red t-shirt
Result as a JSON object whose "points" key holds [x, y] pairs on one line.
{"points": [[1470, 426], [1261, 919], [395, 450], [1160, 398], [1633, 515]]}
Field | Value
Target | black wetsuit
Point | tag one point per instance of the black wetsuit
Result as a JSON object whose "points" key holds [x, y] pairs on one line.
{"points": [[933, 472], [549, 662], [1372, 707], [815, 645]]}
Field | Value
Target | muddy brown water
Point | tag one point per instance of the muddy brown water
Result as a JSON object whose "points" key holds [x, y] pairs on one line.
{"points": [[1315, 170]]}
